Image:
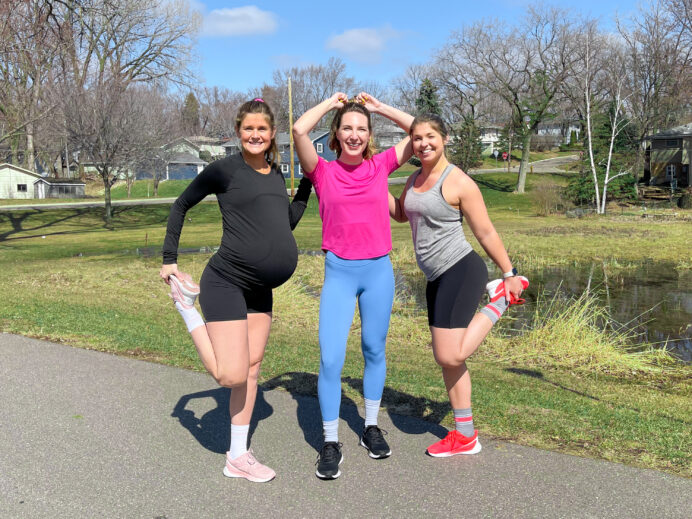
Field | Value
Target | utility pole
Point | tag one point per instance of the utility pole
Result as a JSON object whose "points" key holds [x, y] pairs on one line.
{"points": [[290, 132]]}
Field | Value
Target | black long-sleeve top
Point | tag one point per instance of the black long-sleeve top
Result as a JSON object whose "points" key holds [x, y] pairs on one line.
{"points": [[257, 245]]}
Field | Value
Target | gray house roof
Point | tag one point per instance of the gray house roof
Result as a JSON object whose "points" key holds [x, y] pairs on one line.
{"points": [[186, 158], [61, 181], [678, 131]]}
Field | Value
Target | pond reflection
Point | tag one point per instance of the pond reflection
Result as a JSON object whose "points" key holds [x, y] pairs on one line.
{"points": [[654, 300]]}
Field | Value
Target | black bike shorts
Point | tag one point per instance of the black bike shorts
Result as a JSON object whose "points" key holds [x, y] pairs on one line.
{"points": [[221, 300], [454, 295]]}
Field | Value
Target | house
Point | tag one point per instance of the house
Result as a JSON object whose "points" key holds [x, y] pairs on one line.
{"points": [[20, 183], [319, 138], [208, 144], [182, 161], [47, 187], [559, 131], [669, 157], [16, 182], [388, 135], [489, 135]]}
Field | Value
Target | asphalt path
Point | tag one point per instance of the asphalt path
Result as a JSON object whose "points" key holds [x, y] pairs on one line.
{"points": [[89, 434]]}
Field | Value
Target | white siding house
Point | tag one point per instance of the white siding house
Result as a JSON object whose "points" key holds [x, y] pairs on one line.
{"points": [[16, 182]]}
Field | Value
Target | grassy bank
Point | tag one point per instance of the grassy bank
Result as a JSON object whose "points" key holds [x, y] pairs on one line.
{"points": [[565, 385]]}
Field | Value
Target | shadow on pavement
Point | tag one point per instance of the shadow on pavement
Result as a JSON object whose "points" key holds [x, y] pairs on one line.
{"points": [[415, 415], [213, 429]]}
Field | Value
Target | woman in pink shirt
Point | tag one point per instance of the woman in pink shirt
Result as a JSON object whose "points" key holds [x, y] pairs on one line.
{"points": [[356, 236]]}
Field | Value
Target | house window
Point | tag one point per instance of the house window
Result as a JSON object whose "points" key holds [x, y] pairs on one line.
{"points": [[670, 171], [319, 147], [672, 143], [21, 188], [284, 168]]}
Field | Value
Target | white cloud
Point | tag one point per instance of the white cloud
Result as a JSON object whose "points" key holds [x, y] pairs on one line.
{"points": [[239, 21], [364, 45]]}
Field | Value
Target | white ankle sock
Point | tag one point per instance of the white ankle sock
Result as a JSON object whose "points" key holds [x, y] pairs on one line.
{"points": [[238, 440], [372, 409], [190, 316], [331, 430]]}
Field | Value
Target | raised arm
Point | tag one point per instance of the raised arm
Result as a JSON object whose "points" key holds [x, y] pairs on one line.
{"points": [[401, 119], [301, 130]]}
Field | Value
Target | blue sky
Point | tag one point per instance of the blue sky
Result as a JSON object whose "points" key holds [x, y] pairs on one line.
{"points": [[242, 43]]}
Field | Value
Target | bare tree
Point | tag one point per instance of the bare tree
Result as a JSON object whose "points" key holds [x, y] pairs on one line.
{"points": [[525, 65], [218, 108], [28, 48], [407, 86], [109, 47], [659, 49], [310, 85]]}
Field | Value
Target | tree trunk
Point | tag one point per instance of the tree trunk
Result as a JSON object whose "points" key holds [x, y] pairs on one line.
{"points": [[524, 166], [108, 210], [156, 185]]}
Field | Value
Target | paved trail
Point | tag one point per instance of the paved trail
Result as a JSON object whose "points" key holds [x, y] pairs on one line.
{"points": [[88, 434]]}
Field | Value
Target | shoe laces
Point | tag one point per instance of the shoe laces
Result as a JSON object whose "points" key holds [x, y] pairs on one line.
{"points": [[374, 434], [329, 452]]}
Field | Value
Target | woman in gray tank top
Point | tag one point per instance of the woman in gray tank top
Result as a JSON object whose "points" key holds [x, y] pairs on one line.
{"points": [[434, 202]]}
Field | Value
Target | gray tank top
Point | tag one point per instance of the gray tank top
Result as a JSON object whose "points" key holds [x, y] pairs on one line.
{"points": [[438, 237]]}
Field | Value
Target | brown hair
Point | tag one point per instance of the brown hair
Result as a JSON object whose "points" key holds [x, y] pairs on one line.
{"points": [[257, 106], [435, 122], [334, 143]]}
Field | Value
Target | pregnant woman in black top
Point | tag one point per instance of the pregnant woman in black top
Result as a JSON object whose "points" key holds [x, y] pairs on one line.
{"points": [[257, 254]]}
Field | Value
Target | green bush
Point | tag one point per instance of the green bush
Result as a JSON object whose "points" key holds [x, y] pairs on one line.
{"points": [[580, 189]]}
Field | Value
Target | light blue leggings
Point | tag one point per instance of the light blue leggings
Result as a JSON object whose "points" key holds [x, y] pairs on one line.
{"points": [[371, 282]]}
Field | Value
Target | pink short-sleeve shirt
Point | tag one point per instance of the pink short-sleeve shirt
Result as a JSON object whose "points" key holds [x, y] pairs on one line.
{"points": [[354, 206]]}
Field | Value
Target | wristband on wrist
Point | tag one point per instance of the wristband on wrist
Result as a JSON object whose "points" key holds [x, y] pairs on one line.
{"points": [[510, 274]]}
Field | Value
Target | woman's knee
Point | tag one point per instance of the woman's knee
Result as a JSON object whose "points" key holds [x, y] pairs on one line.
{"points": [[232, 378], [448, 359]]}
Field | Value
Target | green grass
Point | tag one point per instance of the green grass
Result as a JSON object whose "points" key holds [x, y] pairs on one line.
{"points": [[565, 385]]}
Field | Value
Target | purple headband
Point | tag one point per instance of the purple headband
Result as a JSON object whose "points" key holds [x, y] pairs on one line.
{"points": [[258, 99]]}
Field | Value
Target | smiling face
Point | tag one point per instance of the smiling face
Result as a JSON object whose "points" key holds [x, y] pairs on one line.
{"points": [[353, 136], [428, 143], [255, 133]]}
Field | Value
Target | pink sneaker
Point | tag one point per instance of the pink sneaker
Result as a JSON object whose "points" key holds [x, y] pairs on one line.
{"points": [[184, 290], [247, 466], [496, 290], [455, 443]]}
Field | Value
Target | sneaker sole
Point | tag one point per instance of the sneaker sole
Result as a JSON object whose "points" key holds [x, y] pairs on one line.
{"points": [[476, 449], [338, 471], [239, 474], [375, 456]]}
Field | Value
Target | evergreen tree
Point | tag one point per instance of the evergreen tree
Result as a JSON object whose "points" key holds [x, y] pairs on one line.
{"points": [[190, 115], [465, 145], [428, 102]]}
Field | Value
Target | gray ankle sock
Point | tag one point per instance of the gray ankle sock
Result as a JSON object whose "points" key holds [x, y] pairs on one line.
{"points": [[495, 310], [464, 421]]}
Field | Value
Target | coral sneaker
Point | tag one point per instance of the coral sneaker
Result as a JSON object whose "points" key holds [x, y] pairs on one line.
{"points": [[184, 290], [455, 443], [247, 466], [496, 290]]}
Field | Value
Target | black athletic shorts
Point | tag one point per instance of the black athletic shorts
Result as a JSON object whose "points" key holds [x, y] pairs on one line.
{"points": [[454, 295], [221, 300]]}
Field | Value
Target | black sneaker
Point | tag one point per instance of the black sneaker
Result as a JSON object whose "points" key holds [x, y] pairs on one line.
{"points": [[328, 461], [374, 441]]}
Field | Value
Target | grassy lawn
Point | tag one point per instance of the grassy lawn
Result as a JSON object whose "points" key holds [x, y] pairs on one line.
{"points": [[75, 281]]}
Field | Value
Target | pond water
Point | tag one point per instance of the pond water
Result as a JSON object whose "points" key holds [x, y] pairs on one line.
{"points": [[654, 300]]}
